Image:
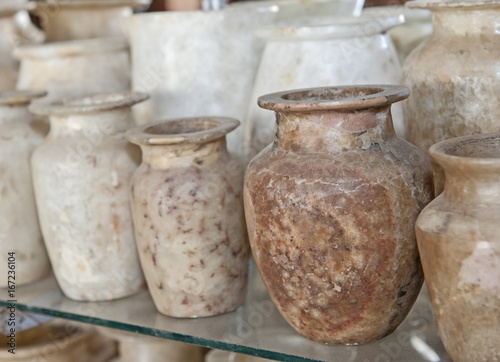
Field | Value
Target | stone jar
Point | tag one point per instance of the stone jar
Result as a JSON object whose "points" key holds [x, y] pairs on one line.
{"points": [[197, 63], [187, 206], [453, 76], [459, 241], [81, 175], [85, 19], [318, 52], [331, 207], [19, 228], [138, 348], [75, 68]]}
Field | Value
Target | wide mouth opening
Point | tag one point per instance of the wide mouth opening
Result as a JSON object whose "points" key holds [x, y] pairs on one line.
{"points": [[95, 100], [185, 126], [481, 147], [330, 94], [437, 5]]}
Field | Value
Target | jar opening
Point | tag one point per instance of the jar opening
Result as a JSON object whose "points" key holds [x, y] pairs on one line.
{"points": [[182, 127], [485, 148], [330, 94]]}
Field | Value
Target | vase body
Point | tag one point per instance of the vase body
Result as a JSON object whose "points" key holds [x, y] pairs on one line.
{"points": [[453, 76], [187, 206], [81, 174], [84, 19], [19, 227], [459, 243], [63, 68], [320, 52], [199, 63], [331, 208]]}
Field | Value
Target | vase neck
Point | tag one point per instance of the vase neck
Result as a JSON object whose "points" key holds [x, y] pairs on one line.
{"points": [[472, 185], [108, 122], [466, 22], [10, 114], [333, 131], [183, 154]]}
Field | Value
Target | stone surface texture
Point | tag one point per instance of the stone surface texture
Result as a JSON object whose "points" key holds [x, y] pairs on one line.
{"points": [[19, 228], [85, 19], [187, 206], [331, 208], [320, 52], [81, 175], [75, 68], [198, 63], [453, 76], [459, 242]]}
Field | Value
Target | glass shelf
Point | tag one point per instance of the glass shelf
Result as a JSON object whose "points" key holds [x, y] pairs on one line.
{"points": [[256, 329]]}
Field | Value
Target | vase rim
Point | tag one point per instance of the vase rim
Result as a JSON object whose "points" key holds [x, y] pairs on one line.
{"points": [[336, 98], [41, 4], [330, 27], [89, 103], [72, 48], [437, 5], [193, 130], [468, 150], [19, 97]]}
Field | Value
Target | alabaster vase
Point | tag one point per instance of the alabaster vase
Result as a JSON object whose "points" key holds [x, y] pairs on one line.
{"points": [[64, 20], [75, 68], [453, 76], [331, 207], [19, 229], [459, 241], [81, 175], [187, 207], [320, 52]]}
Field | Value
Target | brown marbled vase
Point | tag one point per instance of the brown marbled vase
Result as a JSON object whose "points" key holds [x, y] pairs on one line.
{"points": [[331, 207], [187, 207], [459, 240]]}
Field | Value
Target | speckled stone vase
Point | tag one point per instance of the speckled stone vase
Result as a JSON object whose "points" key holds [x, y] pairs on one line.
{"points": [[81, 175], [19, 228], [453, 76], [459, 241], [331, 207], [187, 206]]}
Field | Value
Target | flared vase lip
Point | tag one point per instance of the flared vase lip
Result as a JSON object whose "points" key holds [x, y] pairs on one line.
{"points": [[330, 27], [20, 97], [72, 48], [336, 98], [42, 4], [182, 131], [436, 5], [462, 151], [91, 103]]}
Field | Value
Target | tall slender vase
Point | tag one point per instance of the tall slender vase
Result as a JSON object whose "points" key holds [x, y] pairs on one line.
{"points": [[453, 76], [459, 241], [331, 207], [187, 206], [19, 229], [81, 175]]}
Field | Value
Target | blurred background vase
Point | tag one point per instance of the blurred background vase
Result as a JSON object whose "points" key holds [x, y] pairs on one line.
{"points": [[315, 52], [453, 76], [19, 227], [459, 241]]}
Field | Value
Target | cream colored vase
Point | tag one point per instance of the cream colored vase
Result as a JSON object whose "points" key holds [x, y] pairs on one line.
{"points": [[85, 19], [320, 52], [80, 67], [459, 242], [453, 76], [19, 228], [196, 63], [187, 206], [81, 174]]}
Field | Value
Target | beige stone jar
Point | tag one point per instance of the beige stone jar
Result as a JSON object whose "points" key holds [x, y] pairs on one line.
{"points": [[19, 228], [331, 207], [453, 76], [80, 175], [85, 19], [459, 241], [75, 68], [187, 206]]}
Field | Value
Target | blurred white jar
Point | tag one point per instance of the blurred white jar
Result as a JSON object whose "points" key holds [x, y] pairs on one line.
{"points": [[19, 228], [316, 52]]}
